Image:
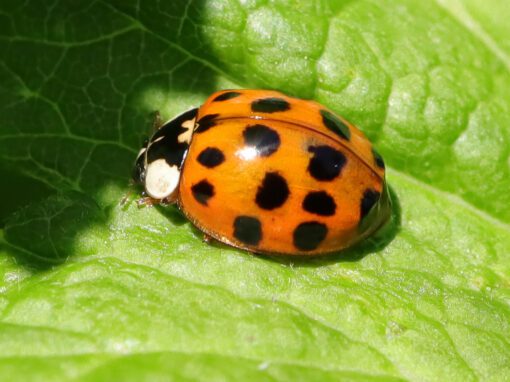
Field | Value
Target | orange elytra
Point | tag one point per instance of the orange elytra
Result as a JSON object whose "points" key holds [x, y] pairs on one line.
{"points": [[268, 173]]}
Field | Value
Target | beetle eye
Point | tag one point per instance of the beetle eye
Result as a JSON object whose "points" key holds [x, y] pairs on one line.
{"points": [[138, 173]]}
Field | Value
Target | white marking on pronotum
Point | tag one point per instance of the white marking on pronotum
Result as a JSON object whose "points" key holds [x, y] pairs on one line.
{"points": [[189, 124], [157, 139], [186, 136], [141, 152], [161, 179]]}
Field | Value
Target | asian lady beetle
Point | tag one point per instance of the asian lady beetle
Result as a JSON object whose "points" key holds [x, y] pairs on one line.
{"points": [[268, 173]]}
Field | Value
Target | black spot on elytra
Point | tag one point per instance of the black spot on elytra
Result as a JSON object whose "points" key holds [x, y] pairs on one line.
{"points": [[369, 199], [270, 105], [202, 191], [164, 144], [273, 191], [307, 236], [211, 157], [206, 122], [226, 96], [335, 124], [326, 162], [247, 230], [264, 139], [320, 203], [378, 159]]}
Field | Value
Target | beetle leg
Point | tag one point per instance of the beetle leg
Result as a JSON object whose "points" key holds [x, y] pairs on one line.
{"points": [[207, 239], [126, 199], [147, 201], [157, 122]]}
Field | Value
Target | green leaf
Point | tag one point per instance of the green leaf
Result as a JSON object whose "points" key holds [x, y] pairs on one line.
{"points": [[51, 230], [92, 290]]}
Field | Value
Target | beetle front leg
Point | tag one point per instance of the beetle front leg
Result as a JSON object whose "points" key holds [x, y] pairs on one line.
{"points": [[147, 201], [157, 122]]}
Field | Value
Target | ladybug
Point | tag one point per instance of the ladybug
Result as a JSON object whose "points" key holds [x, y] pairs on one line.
{"points": [[267, 173]]}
